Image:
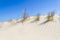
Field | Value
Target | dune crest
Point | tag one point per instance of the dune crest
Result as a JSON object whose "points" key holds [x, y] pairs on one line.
{"points": [[15, 30]]}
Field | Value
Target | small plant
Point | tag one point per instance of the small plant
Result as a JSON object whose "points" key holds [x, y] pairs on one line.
{"points": [[10, 20], [37, 18], [25, 16], [49, 17]]}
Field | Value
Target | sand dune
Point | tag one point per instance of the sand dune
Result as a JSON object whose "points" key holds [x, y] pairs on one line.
{"points": [[31, 31]]}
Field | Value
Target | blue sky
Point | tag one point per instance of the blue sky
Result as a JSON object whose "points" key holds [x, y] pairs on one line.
{"points": [[13, 9]]}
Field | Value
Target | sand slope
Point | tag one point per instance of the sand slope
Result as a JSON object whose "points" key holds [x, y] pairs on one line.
{"points": [[30, 31]]}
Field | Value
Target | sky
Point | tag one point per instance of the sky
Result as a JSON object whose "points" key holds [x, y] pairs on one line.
{"points": [[13, 9]]}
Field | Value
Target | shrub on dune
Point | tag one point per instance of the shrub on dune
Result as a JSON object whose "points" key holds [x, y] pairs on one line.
{"points": [[49, 17], [37, 18], [25, 17]]}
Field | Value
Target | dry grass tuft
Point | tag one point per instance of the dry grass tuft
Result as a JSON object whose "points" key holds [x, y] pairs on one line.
{"points": [[37, 18], [49, 17]]}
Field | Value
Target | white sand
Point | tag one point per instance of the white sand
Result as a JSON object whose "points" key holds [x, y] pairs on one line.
{"points": [[31, 31]]}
